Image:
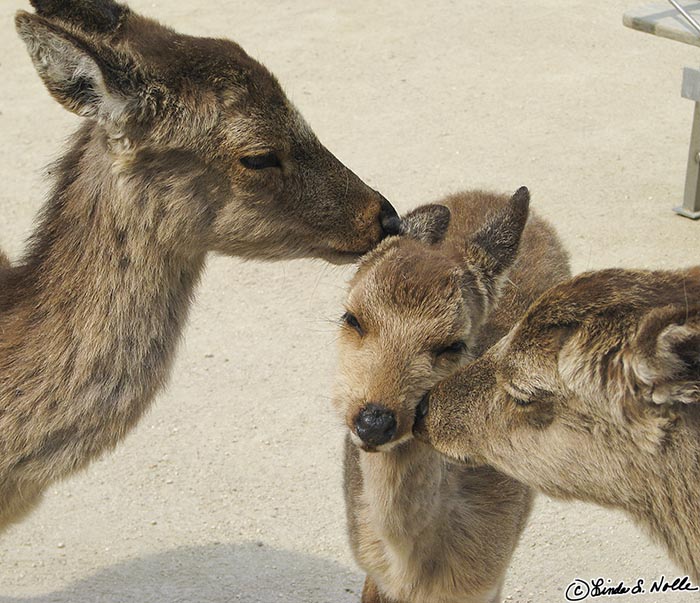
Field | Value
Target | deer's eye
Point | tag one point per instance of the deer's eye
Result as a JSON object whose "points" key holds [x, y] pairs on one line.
{"points": [[454, 348], [521, 401], [520, 398], [351, 320], [261, 162]]}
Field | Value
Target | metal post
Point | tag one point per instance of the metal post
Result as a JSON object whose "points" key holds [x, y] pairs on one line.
{"points": [[691, 197]]}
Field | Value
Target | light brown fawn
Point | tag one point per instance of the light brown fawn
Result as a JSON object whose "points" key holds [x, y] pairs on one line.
{"points": [[189, 146], [426, 530], [594, 395]]}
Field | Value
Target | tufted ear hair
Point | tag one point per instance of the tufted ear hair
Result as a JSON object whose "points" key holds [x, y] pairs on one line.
{"points": [[85, 77], [665, 355], [427, 223], [495, 245], [94, 16]]}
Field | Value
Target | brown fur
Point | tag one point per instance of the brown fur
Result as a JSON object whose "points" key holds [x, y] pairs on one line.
{"points": [[166, 168], [594, 395], [425, 530]]}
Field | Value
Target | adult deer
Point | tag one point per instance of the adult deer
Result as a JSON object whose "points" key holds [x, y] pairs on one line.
{"points": [[189, 146]]}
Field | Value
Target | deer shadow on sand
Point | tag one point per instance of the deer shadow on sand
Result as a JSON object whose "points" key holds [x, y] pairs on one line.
{"points": [[215, 573]]}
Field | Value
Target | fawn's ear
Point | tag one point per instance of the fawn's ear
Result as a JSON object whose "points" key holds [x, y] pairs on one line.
{"points": [[96, 16], [495, 245], [91, 82], [427, 223], [666, 355]]}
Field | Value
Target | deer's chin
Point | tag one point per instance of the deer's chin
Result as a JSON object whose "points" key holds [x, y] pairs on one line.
{"points": [[339, 258], [388, 447], [335, 254], [453, 457], [293, 249]]}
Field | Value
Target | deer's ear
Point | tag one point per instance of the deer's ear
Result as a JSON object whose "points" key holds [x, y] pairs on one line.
{"points": [[495, 245], [87, 81], [666, 355], [96, 16], [427, 223]]}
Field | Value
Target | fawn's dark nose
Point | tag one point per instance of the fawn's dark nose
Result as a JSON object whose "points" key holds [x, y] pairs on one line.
{"points": [[375, 425], [388, 218]]}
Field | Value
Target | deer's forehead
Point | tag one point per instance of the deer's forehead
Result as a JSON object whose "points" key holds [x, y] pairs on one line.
{"points": [[188, 66], [263, 123], [527, 360], [419, 285], [564, 361], [173, 55]]}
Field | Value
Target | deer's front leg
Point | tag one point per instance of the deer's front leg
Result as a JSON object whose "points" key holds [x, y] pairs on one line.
{"points": [[16, 502], [371, 593]]}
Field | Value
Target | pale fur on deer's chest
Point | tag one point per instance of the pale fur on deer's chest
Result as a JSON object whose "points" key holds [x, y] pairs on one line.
{"points": [[403, 540]]}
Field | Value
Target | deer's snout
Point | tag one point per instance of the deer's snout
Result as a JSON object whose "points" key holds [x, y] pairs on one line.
{"points": [[388, 218], [375, 424]]}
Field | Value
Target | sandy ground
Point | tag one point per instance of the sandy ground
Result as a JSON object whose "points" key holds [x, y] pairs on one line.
{"points": [[230, 489]]}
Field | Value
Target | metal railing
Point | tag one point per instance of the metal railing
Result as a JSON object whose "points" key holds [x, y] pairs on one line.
{"points": [[687, 16]]}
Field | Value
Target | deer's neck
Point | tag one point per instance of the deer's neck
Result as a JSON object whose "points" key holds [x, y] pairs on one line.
{"points": [[404, 491], [436, 531], [669, 500], [94, 315]]}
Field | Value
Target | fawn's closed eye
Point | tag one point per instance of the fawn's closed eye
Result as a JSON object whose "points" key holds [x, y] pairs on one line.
{"points": [[456, 347], [261, 162]]}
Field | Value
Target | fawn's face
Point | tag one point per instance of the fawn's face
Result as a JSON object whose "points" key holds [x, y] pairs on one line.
{"points": [[581, 393], [208, 131], [412, 315]]}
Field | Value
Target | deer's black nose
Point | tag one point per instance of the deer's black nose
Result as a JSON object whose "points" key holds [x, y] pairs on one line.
{"points": [[375, 425], [388, 218]]}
